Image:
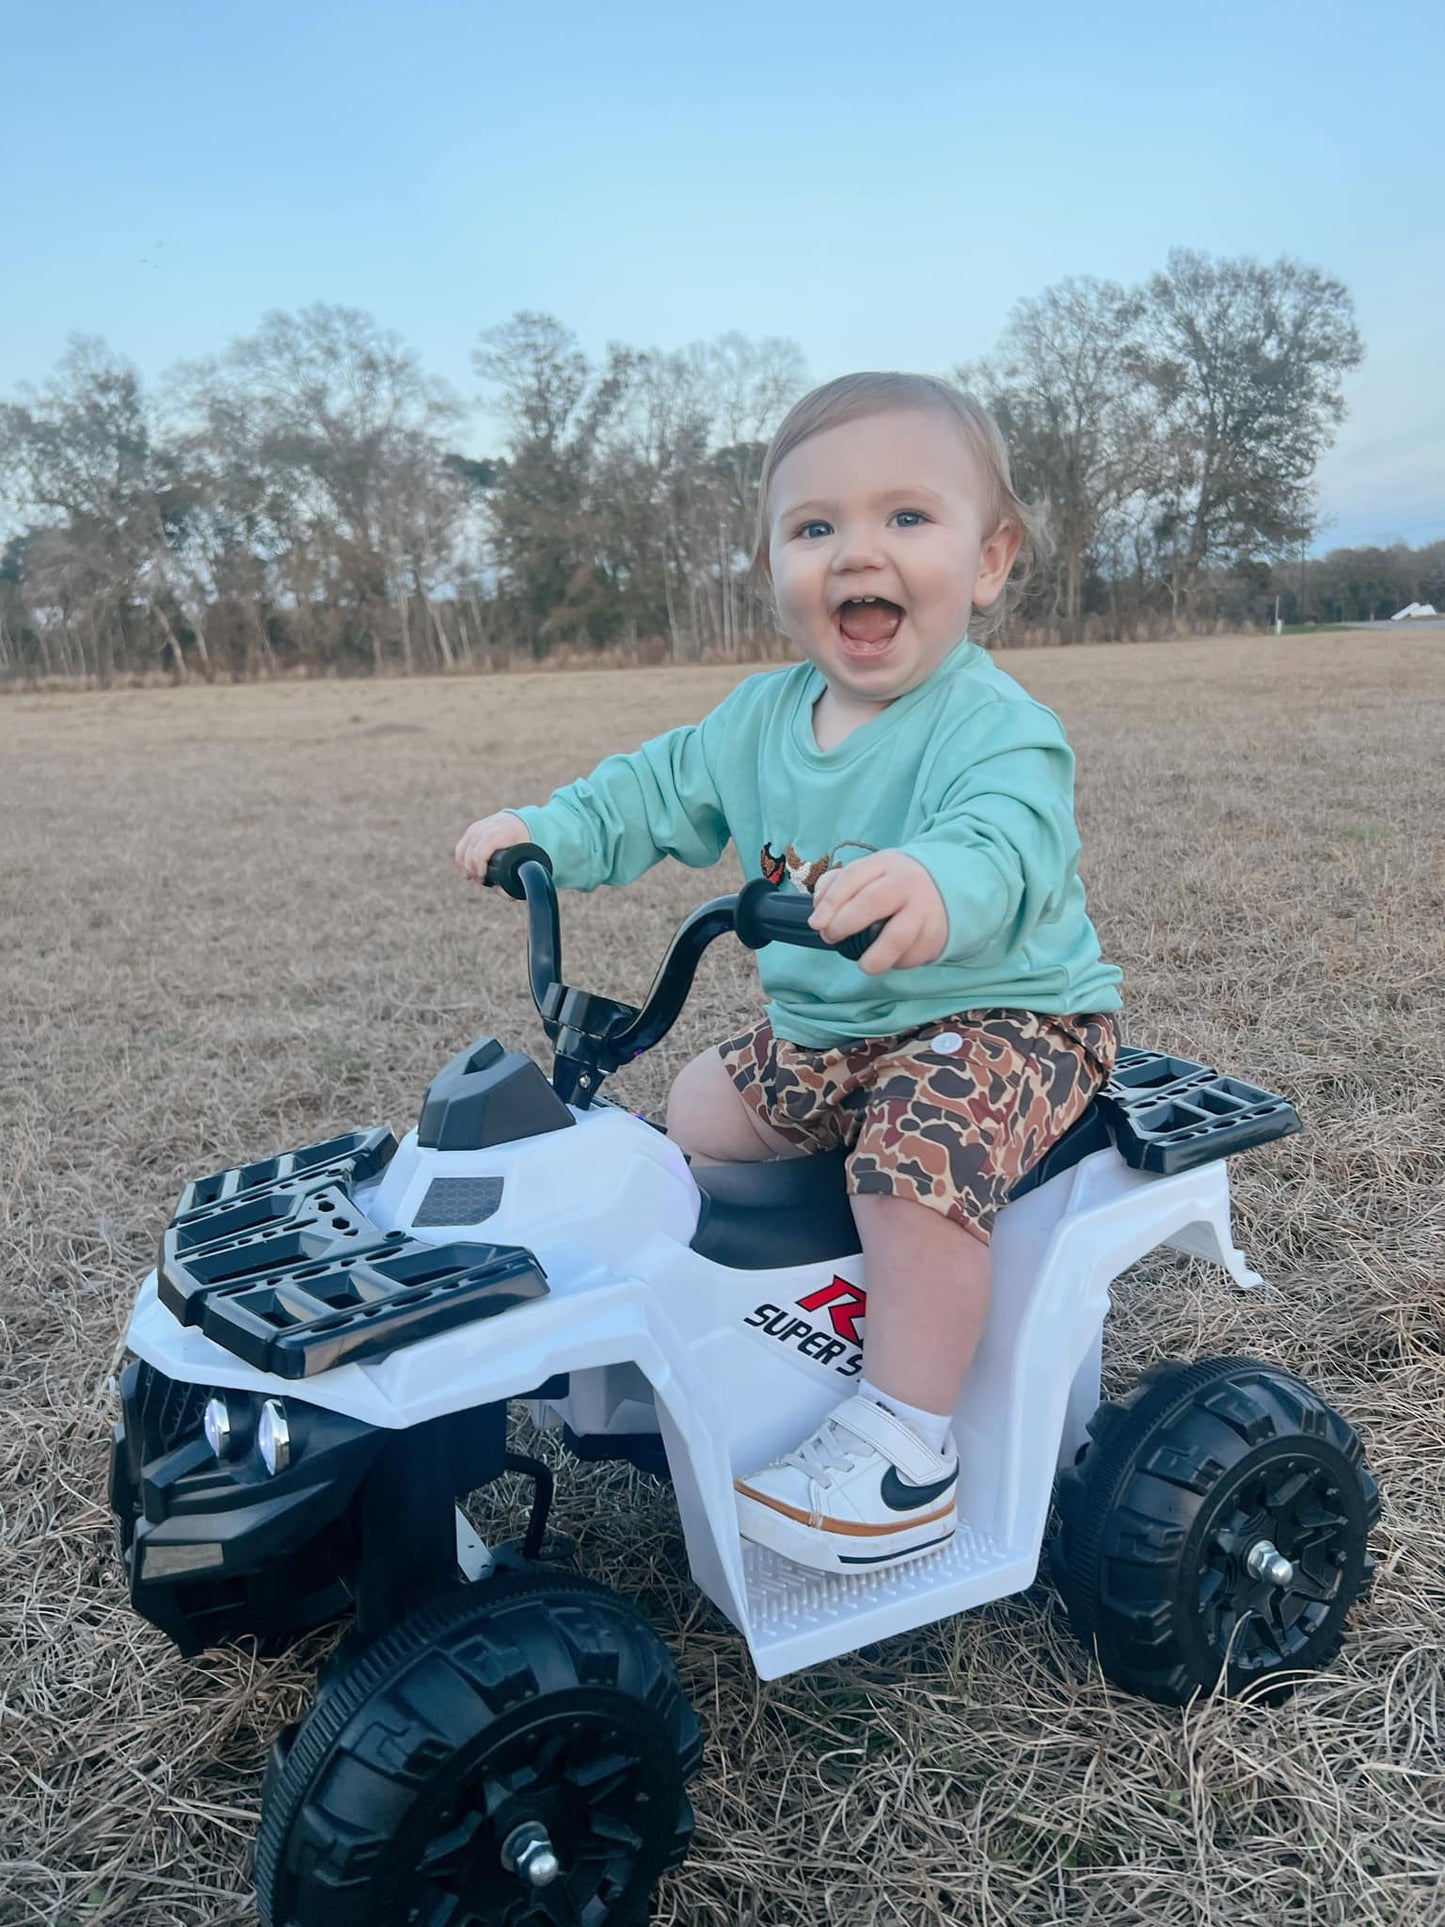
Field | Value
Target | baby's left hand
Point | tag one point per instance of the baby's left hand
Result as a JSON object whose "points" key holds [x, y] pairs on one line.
{"points": [[889, 885]]}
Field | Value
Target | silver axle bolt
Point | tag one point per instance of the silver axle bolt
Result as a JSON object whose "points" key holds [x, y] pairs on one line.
{"points": [[527, 1851], [1266, 1561]]}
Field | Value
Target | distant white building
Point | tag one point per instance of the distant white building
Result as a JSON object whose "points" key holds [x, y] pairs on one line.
{"points": [[1412, 609]]}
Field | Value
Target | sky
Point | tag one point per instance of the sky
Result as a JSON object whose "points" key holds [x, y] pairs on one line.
{"points": [[879, 183]]}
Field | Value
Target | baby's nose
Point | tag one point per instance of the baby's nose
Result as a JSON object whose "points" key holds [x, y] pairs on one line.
{"points": [[858, 551]]}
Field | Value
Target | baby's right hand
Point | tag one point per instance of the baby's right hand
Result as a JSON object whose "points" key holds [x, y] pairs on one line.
{"points": [[481, 841]]}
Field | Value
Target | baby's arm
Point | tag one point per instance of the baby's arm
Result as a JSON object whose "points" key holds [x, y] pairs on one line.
{"points": [[994, 858], [633, 810], [1001, 842]]}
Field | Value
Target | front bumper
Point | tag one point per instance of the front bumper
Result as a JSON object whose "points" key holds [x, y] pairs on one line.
{"points": [[215, 1549]]}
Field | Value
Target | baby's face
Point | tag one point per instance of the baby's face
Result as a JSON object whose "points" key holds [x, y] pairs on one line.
{"points": [[889, 508]]}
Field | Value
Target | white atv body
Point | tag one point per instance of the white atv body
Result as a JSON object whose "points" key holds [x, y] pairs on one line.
{"points": [[733, 1364]]}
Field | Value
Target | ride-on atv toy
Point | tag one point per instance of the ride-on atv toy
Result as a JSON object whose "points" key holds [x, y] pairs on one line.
{"points": [[322, 1366]]}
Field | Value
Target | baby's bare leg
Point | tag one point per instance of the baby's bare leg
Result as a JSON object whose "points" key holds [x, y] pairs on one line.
{"points": [[928, 1284], [707, 1117], [928, 1278]]}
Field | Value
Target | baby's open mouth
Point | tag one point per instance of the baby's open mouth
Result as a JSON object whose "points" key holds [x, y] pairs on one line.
{"points": [[870, 620]]}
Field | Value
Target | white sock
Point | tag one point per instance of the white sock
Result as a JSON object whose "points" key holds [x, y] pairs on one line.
{"points": [[931, 1427]]}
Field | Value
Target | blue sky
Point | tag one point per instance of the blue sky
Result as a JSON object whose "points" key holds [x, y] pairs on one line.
{"points": [[879, 182]]}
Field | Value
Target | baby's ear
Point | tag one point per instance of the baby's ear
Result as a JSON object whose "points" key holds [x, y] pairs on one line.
{"points": [[995, 559]]}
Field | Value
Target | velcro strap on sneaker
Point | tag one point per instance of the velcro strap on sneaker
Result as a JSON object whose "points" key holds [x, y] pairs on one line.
{"points": [[875, 1425]]}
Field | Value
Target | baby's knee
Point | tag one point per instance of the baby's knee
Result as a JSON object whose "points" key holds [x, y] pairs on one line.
{"points": [[692, 1097], [705, 1114]]}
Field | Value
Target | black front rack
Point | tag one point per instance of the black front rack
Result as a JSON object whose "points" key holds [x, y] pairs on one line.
{"points": [[275, 1262], [1169, 1114]]}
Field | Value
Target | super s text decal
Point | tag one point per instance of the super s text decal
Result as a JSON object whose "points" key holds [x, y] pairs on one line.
{"points": [[840, 1347]]}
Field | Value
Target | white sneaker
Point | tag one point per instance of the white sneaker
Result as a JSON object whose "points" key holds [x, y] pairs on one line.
{"points": [[863, 1491]]}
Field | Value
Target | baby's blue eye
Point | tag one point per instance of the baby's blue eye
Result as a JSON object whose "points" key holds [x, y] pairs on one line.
{"points": [[908, 518], [806, 530]]}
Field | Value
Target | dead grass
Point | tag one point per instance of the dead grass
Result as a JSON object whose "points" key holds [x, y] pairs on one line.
{"points": [[228, 924]]}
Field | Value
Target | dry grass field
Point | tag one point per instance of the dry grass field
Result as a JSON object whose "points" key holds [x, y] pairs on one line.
{"points": [[229, 925]]}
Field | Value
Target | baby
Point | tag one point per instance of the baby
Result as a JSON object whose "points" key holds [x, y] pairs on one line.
{"points": [[902, 777]]}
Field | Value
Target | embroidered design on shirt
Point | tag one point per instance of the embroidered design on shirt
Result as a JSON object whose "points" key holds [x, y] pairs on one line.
{"points": [[801, 871]]}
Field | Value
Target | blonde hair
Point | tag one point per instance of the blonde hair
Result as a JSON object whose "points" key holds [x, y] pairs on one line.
{"points": [[850, 398]]}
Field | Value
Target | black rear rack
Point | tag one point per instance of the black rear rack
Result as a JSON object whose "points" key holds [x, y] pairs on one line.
{"points": [[1169, 1114], [275, 1262]]}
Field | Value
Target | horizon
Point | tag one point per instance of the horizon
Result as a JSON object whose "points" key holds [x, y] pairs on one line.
{"points": [[628, 179]]}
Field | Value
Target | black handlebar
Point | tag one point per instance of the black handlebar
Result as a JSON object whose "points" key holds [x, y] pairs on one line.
{"points": [[763, 915], [594, 1035], [503, 867], [509, 870], [766, 915]]}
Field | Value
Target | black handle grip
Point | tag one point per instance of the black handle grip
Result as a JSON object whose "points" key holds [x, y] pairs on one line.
{"points": [[861, 940], [766, 914], [503, 867]]}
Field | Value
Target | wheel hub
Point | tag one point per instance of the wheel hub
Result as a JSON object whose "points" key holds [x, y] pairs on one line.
{"points": [[546, 1828], [527, 1850], [1267, 1562], [1273, 1563]]}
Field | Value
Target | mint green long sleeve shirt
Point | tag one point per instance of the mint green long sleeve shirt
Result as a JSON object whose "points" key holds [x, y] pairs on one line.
{"points": [[966, 773]]}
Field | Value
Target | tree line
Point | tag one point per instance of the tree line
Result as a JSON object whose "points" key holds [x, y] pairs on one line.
{"points": [[304, 501]]}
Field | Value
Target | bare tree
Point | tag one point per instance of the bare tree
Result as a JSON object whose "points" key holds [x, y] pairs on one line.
{"points": [[753, 384], [553, 403], [81, 453], [1246, 361], [233, 515], [1061, 386], [333, 407], [651, 466], [622, 507], [425, 523]]}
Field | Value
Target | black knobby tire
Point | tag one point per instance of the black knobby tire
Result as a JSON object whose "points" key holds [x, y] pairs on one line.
{"points": [[1199, 1465], [524, 1696]]}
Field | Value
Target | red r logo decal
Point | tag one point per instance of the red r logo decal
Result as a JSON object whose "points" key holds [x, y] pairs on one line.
{"points": [[846, 1305]]}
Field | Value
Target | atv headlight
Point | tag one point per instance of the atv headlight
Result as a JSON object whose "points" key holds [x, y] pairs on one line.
{"points": [[216, 1422], [273, 1437]]}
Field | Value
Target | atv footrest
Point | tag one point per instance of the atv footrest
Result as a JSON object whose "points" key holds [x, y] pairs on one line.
{"points": [[1169, 1114], [275, 1262], [797, 1617]]}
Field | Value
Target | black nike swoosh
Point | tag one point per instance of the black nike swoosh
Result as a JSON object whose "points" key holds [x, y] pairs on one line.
{"points": [[899, 1497]]}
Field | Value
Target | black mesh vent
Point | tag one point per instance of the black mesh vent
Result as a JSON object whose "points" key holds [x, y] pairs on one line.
{"points": [[460, 1200]]}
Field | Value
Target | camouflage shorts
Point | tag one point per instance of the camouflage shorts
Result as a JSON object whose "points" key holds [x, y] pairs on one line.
{"points": [[951, 1114]]}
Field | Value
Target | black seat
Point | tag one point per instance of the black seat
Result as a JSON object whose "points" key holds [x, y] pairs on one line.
{"points": [[795, 1211]]}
